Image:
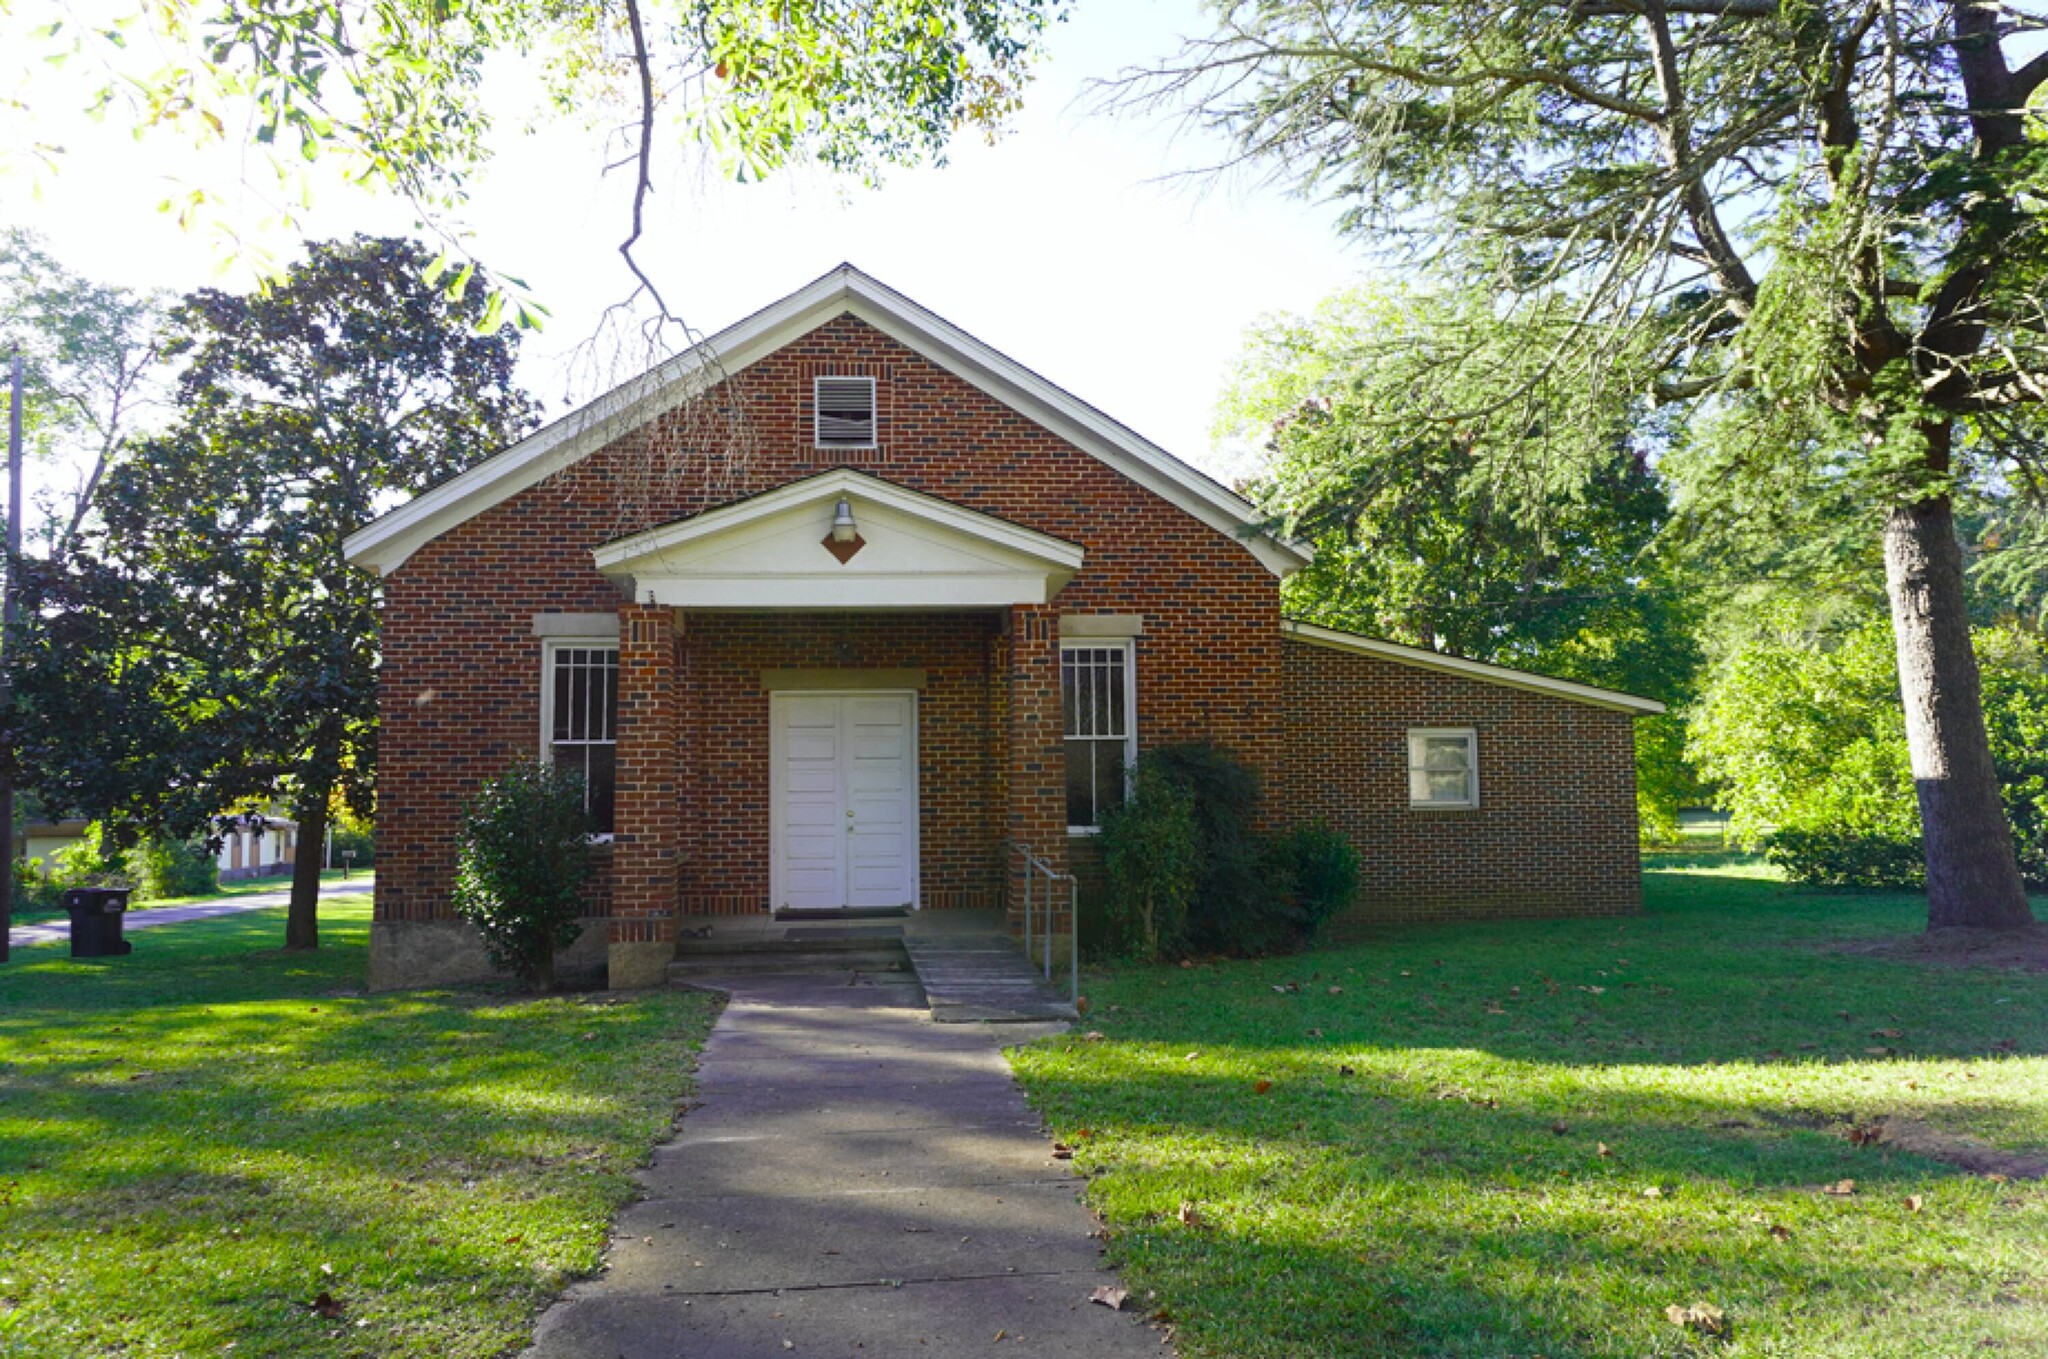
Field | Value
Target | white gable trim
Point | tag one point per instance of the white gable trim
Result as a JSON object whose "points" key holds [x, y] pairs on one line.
{"points": [[1475, 670], [769, 552], [385, 543]]}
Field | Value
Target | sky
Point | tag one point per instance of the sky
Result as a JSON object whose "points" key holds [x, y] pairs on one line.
{"points": [[1072, 244]]}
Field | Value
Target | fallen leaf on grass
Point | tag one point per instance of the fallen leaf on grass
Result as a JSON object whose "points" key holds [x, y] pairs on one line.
{"points": [[590, 1037], [1315, 1033], [1261, 1087], [1602, 1149], [1062, 1152], [1864, 1137], [1092, 1036], [1781, 1232], [1346, 1071], [326, 1306], [1653, 1192], [1080, 1005], [1914, 1203], [1189, 1214], [1702, 1317], [1336, 990], [1559, 1129], [1887, 1033], [1110, 1296], [1840, 1189]]}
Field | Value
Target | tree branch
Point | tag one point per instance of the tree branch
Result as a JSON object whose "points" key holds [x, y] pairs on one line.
{"points": [[1674, 136]]}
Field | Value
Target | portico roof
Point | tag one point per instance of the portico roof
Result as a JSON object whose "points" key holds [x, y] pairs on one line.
{"points": [[775, 551]]}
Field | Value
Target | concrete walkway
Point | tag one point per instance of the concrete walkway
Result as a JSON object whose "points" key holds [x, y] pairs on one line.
{"points": [[852, 1180], [58, 931]]}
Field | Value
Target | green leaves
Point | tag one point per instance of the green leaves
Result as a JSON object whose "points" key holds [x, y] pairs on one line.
{"points": [[522, 857]]}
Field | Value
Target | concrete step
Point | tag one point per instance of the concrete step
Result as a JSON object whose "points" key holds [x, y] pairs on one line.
{"points": [[983, 979], [756, 962]]}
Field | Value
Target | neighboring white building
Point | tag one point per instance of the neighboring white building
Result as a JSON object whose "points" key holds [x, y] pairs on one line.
{"points": [[256, 844]]}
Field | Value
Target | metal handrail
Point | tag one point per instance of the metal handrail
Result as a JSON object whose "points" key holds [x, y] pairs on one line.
{"points": [[1035, 868]]}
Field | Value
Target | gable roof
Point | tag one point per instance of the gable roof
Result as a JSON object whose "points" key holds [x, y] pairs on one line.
{"points": [[1483, 671], [386, 542]]}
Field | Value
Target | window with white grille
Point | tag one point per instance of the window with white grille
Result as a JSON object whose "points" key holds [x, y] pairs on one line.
{"points": [[1097, 703], [1443, 767], [845, 411], [580, 697]]}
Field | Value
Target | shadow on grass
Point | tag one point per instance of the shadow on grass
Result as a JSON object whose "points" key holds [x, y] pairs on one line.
{"points": [[189, 1134], [1531, 1137]]}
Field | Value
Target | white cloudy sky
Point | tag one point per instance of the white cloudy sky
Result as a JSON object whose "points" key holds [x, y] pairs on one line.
{"points": [[1060, 245]]}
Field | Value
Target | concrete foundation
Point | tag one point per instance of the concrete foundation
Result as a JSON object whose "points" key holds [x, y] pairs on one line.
{"points": [[409, 954], [639, 966]]}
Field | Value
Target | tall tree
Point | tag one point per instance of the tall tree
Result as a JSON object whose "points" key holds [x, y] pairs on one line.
{"points": [[91, 372], [1836, 207], [210, 642], [1417, 541]]}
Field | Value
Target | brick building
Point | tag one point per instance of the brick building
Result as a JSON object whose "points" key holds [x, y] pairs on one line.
{"points": [[835, 609]]}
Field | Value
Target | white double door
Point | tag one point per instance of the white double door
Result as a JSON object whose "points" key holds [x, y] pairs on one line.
{"points": [[843, 795]]}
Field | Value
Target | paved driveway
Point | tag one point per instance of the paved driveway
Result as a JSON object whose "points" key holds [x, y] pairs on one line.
{"points": [[58, 931], [853, 1179]]}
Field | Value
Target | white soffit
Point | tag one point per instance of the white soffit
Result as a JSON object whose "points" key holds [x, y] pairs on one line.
{"points": [[769, 552], [386, 542], [1424, 659]]}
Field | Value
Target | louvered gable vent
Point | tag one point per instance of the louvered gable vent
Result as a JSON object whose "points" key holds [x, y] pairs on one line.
{"points": [[846, 412]]}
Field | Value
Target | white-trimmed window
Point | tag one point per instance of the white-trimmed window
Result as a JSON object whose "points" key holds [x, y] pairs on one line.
{"points": [[1443, 767], [579, 703], [1099, 706], [845, 412]]}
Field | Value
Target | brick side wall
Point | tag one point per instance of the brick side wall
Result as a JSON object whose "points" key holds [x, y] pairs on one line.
{"points": [[1554, 834], [461, 679]]}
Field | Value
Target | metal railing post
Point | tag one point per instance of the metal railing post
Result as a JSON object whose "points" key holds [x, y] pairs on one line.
{"points": [[1027, 899], [1074, 938]]}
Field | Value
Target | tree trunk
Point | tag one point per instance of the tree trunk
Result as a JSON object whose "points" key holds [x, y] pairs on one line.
{"points": [[1973, 880], [302, 918]]}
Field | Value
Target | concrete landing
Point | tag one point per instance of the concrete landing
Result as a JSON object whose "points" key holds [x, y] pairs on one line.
{"points": [[970, 978], [852, 1180]]}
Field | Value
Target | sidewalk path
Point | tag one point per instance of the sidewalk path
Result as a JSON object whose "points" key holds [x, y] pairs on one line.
{"points": [[851, 1180], [58, 931]]}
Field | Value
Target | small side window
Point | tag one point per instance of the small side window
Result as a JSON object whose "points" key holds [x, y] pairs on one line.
{"points": [[1443, 767], [845, 409]]}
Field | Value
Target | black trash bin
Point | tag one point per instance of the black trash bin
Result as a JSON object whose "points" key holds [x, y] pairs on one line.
{"points": [[97, 914]]}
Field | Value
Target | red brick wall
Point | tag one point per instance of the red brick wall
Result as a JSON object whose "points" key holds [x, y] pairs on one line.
{"points": [[1555, 830], [461, 676]]}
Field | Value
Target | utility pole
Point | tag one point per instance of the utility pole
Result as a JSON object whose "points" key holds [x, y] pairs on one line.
{"points": [[8, 612]]}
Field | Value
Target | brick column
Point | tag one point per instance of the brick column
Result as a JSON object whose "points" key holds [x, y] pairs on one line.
{"points": [[647, 833], [1036, 767]]}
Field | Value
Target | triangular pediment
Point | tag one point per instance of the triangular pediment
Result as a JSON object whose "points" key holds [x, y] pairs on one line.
{"points": [[776, 550]]}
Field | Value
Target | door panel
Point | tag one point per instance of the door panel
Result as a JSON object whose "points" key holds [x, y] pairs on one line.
{"points": [[845, 790]]}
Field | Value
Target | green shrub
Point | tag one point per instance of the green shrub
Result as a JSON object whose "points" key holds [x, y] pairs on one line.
{"points": [[1233, 907], [172, 868], [85, 863], [35, 893], [1149, 847], [1844, 858], [1317, 870], [522, 856]]}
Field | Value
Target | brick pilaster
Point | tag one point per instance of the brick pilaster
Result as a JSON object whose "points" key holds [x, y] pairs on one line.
{"points": [[1035, 770], [648, 822]]}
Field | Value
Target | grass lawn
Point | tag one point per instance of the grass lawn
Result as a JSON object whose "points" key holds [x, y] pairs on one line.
{"points": [[199, 1140], [1532, 1138]]}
